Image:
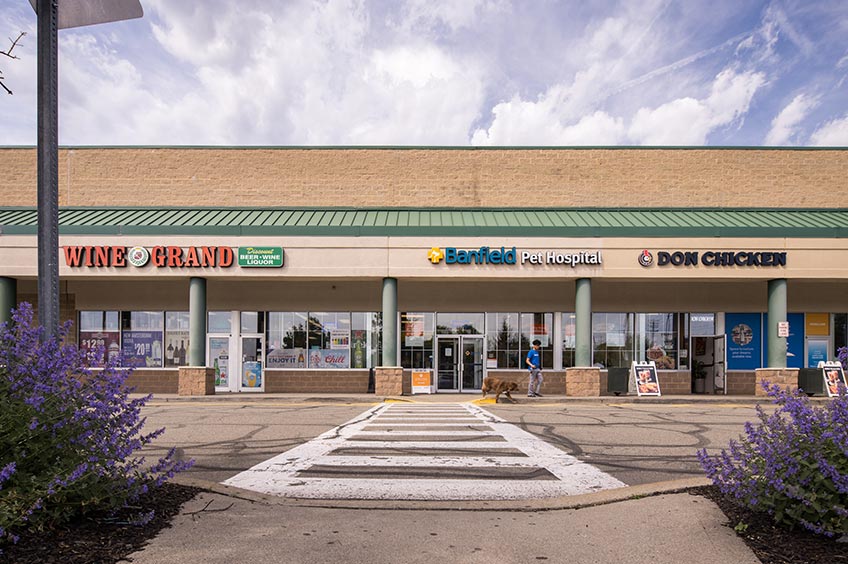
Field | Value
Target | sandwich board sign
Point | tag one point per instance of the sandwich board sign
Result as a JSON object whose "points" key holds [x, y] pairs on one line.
{"points": [[833, 377], [644, 375], [422, 382]]}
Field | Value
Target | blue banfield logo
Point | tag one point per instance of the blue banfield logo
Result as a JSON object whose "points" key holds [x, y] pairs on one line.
{"points": [[503, 255]]}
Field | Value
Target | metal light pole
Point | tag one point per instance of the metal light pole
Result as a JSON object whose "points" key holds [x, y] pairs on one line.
{"points": [[52, 18]]}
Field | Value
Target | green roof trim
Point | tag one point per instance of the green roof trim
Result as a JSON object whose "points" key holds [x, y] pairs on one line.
{"points": [[475, 222]]}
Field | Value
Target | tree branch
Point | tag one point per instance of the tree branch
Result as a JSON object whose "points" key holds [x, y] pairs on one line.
{"points": [[8, 52]]}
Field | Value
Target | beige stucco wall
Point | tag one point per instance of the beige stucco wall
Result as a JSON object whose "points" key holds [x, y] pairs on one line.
{"points": [[434, 177]]}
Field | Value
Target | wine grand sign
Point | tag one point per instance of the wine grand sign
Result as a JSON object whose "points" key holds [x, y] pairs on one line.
{"points": [[171, 256]]}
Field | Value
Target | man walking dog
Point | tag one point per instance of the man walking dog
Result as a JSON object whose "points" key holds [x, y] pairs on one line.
{"points": [[534, 365]]}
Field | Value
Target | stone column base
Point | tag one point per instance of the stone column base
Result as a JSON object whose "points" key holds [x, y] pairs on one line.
{"points": [[786, 378], [388, 381], [583, 381], [196, 381]]}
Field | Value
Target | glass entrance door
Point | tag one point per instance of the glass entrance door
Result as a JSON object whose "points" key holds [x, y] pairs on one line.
{"points": [[459, 363], [252, 373]]}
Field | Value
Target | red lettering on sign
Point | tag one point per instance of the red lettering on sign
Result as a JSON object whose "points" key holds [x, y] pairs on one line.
{"points": [[88, 254], [119, 256], [191, 257], [208, 256], [225, 257], [175, 256], [73, 256], [158, 254], [101, 256]]}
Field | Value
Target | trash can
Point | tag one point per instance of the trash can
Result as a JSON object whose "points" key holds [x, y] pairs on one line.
{"points": [[700, 384], [617, 380], [811, 381]]}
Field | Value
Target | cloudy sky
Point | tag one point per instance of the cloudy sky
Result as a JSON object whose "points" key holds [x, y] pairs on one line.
{"points": [[443, 72]]}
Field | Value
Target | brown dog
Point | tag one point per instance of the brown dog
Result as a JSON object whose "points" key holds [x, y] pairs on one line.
{"points": [[498, 386]]}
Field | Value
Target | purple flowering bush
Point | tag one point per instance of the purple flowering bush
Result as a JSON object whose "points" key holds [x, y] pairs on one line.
{"points": [[842, 356], [793, 465], [67, 434]]}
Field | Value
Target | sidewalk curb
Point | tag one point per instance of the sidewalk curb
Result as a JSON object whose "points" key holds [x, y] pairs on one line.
{"points": [[546, 504]]}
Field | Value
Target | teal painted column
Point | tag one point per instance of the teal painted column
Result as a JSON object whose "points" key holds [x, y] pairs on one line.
{"points": [[390, 329], [776, 314], [583, 322], [197, 322], [8, 298]]}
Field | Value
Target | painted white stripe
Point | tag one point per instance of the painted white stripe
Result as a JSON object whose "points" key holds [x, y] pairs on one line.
{"points": [[278, 475], [460, 425], [426, 461], [404, 432], [359, 488]]}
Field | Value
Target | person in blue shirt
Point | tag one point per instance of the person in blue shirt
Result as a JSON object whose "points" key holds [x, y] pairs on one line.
{"points": [[534, 365]]}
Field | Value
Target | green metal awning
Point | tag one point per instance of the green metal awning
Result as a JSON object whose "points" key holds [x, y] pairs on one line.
{"points": [[348, 222]]}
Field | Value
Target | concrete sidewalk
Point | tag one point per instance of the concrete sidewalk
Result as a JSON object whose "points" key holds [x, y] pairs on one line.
{"points": [[655, 524]]}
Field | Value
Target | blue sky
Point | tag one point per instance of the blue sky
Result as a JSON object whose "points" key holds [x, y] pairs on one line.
{"points": [[443, 72]]}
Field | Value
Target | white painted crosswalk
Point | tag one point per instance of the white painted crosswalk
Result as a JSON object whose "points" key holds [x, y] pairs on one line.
{"points": [[425, 452]]}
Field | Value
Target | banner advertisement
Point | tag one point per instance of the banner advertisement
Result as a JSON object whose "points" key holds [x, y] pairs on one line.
{"points": [[93, 342], [744, 341], [142, 349], [287, 358], [329, 358]]}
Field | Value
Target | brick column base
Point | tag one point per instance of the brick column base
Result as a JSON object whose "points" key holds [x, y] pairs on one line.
{"points": [[196, 381], [786, 378], [388, 381], [583, 381]]}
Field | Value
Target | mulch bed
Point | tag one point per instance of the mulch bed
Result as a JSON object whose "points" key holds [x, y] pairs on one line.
{"points": [[773, 543], [99, 540]]}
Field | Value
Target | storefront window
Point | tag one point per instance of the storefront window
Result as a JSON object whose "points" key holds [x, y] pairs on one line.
{"points": [[840, 332], [287, 339], [459, 323], [100, 335], [141, 338], [416, 345], [252, 322], [612, 339], [537, 326], [657, 339], [569, 331], [503, 340], [219, 322], [329, 340], [176, 338], [365, 336]]}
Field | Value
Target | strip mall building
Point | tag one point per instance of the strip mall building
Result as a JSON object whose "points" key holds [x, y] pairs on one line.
{"points": [[336, 269]]}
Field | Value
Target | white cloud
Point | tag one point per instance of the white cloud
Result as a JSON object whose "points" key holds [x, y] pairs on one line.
{"points": [[784, 125], [832, 134], [687, 121]]}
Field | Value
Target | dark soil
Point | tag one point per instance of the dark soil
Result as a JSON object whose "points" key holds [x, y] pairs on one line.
{"points": [[773, 543], [100, 540]]}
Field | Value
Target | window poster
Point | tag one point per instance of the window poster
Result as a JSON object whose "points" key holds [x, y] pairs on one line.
{"points": [[744, 341], [647, 383], [95, 343], [176, 348], [359, 345], [142, 349], [833, 377], [339, 340], [287, 358], [219, 351], [817, 350], [329, 358]]}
